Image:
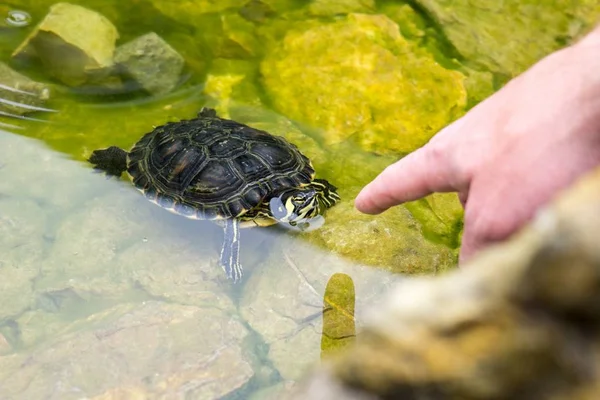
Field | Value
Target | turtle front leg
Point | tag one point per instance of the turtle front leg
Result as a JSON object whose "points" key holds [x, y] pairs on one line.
{"points": [[230, 253]]}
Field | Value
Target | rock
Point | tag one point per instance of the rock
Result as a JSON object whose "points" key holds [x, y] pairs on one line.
{"points": [[30, 170], [152, 62], [279, 391], [22, 230], [19, 94], [339, 325], [230, 82], [393, 240], [359, 78], [478, 29], [256, 11], [74, 43], [289, 319], [146, 350], [326, 8], [519, 322], [189, 12], [5, 347], [440, 216], [228, 36], [193, 276], [37, 326]]}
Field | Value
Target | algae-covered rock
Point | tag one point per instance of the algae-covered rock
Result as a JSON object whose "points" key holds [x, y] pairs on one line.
{"points": [[441, 217], [74, 43], [339, 326], [507, 37], [154, 349], [326, 8], [256, 11], [393, 240], [20, 94], [231, 82], [189, 12], [228, 36], [360, 78], [519, 322], [152, 62]]}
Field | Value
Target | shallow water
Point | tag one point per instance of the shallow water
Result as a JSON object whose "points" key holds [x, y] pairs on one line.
{"points": [[105, 295]]}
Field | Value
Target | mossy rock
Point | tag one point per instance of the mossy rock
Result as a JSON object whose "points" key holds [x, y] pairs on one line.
{"points": [[509, 36], [359, 78]]}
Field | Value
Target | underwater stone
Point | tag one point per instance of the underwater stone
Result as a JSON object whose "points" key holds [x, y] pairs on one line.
{"points": [[393, 240], [228, 36], [440, 216], [152, 62], [289, 319], [359, 78], [479, 30], [520, 321], [74, 43], [5, 347], [326, 8], [151, 349], [22, 90], [189, 12], [230, 81]]}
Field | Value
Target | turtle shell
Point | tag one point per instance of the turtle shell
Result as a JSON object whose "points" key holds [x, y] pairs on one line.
{"points": [[213, 168]]}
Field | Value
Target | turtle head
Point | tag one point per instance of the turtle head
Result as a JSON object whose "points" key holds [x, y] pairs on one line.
{"points": [[297, 205]]}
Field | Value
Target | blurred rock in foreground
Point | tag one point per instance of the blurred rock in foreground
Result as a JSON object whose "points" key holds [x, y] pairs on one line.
{"points": [[520, 322]]}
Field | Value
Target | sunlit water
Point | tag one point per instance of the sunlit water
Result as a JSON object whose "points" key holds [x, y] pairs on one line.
{"points": [[104, 294]]}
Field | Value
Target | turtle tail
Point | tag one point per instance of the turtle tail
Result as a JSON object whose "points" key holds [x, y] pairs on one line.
{"points": [[112, 161]]}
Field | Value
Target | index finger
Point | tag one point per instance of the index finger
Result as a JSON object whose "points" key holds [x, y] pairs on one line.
{"points": [[420, 173]]}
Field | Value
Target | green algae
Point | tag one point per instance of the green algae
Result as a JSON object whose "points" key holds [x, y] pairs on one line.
{"points": [[339, 325], [392, 98], [507, 37]]}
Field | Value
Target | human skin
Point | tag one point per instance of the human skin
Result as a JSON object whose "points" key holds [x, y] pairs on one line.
{"points": [[512, 153]]}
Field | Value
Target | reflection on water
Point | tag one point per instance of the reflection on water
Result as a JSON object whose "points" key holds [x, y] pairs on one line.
{"points": [[95, 280]]}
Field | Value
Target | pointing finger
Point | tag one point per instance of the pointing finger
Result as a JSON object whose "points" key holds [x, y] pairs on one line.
{"points": [[420, 173]]}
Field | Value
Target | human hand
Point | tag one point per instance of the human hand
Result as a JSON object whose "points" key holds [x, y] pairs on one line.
{"points": [[511, 153]]}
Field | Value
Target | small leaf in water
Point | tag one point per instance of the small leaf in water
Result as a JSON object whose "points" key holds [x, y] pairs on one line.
{"points": [[339, 328]]}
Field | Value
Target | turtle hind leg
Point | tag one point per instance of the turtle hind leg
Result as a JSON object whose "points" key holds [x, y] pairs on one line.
{"points": [[230, 253], [112, 161]]}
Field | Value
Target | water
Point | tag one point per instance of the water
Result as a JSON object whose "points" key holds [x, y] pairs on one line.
{"points": [[104, 295]]}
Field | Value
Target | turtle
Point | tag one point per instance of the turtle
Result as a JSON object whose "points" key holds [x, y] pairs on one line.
{"points": [[217, 169]]}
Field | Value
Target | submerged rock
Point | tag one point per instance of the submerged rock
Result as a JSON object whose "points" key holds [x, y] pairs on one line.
{"points": [[289, 319], [152, 62], [228, 36], [189, 12], [20, 95], [479, 30], [393, 240], [359, 78], [152, 349], [519, 322], [22, 244], [326, 8], [74, 43]]}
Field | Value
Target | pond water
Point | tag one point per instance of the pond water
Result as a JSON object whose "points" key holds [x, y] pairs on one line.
{"points": [[104, 295]]}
